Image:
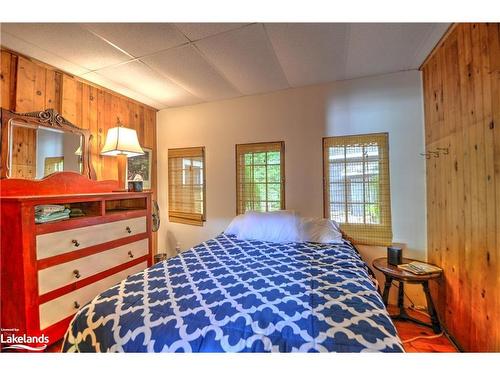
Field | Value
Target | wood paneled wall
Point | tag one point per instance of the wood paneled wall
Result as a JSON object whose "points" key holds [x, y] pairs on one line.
{"points": [[462, 114], [28, 85]]}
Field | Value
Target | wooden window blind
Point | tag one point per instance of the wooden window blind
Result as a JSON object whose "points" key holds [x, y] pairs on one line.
{"points": [[186, 185], [357, 186], [260, 177]]}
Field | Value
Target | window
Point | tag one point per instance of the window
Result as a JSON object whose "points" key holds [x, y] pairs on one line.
{"points": [[186, 185], [356, 186], [260, 172]]}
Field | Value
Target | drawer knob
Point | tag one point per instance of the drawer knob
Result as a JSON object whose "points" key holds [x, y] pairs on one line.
{"points": [[128, 230], [130, 254], [76, 305], [77, 274], [76, 243]]}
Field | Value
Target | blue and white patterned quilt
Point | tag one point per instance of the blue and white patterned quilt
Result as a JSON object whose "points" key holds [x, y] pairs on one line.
{"points": [[228, 295]]}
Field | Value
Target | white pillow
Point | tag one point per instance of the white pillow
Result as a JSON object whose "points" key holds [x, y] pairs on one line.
{"points": [[275, 226], [320, 230], [235, 226]]}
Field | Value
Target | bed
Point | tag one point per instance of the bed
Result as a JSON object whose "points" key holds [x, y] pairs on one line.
{"points": [[230, 295]]}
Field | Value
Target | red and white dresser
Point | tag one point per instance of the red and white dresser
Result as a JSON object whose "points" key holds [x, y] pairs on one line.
{"points": [[50, 270]]}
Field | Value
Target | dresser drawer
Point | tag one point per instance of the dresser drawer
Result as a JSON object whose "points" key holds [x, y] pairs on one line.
{"points": [[60, 308], [51, 244], [67, 273]]}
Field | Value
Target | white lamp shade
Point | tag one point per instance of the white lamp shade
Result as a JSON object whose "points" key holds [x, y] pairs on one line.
{"points": [[122, 141]]}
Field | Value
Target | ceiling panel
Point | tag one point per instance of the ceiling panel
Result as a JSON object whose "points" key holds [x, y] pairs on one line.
{"points": [[186, 66], [69, 41], [105, 82], [309, 52], [138, 77], [139, 39], [428, 42], [246, 58], [9, 41], [167, 65], [384, 48], [195, 31]]}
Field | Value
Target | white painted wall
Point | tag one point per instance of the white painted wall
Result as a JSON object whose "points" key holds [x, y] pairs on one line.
{"points": [[71, 143], [55, 144], [49, 144], [390, 103]]}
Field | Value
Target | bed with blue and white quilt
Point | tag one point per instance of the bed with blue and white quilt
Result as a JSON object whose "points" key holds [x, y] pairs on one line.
{"points": [[229, 295]]}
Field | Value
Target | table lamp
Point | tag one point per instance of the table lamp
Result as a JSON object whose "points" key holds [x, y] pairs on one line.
{"points": [[123, 143]]}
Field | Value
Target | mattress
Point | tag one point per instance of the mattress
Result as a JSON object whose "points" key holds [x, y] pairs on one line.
{"points": [[229, 295]]}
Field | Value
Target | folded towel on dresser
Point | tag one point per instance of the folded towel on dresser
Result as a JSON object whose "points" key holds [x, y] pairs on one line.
{"points": [[45, 209], [45, 218]]}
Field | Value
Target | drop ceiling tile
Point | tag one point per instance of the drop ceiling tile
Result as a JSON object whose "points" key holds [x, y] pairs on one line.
{"points": [[377, 48], [139, 39], [69, 41], [309, 52], [195, 31], [186, 66], [111, 85], [246, 58], [136, 76], [9, 41]]}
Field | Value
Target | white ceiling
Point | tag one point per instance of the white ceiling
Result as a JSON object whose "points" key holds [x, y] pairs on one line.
{"points": [[168, 65]]}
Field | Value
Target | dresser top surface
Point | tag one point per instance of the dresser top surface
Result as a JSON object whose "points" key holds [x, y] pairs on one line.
{"points": [[109, 195]]}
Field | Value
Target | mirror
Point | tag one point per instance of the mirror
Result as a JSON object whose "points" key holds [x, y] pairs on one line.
{"points": [[36, 151], [37, 144]]}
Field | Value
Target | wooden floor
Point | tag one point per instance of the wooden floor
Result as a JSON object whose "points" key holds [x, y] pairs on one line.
{"points": [[409, 330]]}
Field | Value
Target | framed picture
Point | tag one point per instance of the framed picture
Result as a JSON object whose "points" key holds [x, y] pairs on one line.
{"points": [[140, 165]]}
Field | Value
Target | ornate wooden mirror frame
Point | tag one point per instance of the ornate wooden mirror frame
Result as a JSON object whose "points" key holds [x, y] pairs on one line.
{"points": [[51, 119]]}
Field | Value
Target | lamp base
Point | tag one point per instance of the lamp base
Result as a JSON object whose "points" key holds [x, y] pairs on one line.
{"points": [[122, 171]]}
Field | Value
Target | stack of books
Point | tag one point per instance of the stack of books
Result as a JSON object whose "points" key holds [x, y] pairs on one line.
{"points": [[419, 268]]}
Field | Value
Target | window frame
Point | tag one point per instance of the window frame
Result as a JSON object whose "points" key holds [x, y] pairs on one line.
{"points": [[282, 171], [187, 217], [351, 229]]}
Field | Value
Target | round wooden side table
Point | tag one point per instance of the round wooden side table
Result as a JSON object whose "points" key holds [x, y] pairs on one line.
{"points": [[393, 273]]}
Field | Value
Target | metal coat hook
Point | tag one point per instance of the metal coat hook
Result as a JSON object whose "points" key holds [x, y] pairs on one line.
{"points": [[427, 155]]}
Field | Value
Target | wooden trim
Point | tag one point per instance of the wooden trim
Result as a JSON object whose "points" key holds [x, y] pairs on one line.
{"points": [[187, 152], [89, 280], [149, 230], [13, 82], [185, 215], [30, 275], [182, 220], [77, 78], [91, 250], [438, 45]]}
